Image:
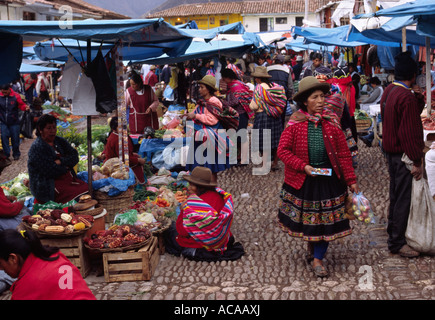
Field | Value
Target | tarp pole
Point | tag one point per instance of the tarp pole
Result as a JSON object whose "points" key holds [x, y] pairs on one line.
{"points": [[404, 39], [89, 127], [428, 78]]}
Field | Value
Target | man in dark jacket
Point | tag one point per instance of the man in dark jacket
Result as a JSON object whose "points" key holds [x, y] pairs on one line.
{"points": [[10, 102], [281, 75], [402, 135], [297, 68]]}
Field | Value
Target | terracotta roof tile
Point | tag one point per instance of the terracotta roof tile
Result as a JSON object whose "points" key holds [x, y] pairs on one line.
{"points": [[243, 7]]}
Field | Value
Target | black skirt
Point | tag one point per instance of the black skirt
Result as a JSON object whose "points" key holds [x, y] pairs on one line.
{"points": [[316, 211]]}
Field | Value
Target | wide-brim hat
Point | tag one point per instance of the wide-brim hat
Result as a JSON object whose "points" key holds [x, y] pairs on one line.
{"points": [[310, 84], [201, 176], [210, 81], [260, 72]]}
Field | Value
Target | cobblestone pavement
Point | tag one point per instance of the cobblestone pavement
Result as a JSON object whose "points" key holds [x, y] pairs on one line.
{"points": [[360, 266]]}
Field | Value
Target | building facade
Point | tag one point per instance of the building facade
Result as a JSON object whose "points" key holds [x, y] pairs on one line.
{"points": [[256, 16], [53, 10]]}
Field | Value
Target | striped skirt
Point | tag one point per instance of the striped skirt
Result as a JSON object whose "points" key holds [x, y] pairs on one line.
{"points": [[316, 211]]}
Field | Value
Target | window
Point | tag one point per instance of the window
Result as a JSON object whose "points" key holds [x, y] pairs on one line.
{"points": [[212, 20], [223, 22], [281, 20], [29, 15], [299, 21], [266, 24]]}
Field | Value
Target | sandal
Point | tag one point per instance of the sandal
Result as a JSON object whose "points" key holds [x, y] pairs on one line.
{"points": [[407, 252], [320, 271]]}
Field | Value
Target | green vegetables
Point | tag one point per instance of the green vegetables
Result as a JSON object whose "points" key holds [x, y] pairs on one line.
{"points": [[142, 195], [16, 187]]}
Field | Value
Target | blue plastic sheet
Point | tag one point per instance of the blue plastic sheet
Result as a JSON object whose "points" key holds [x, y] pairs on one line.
{"points": [[118, 185]]}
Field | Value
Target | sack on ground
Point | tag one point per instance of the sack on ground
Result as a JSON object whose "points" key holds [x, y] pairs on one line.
{"points": [[420, 233]]}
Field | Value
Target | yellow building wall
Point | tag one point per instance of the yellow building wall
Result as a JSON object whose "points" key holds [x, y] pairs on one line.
{"points": [[207, 22]]}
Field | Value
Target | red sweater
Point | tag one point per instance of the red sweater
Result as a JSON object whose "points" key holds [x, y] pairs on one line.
{"points": [[183, 238], [111, 150], [50, 280], [402, 128], [8, 209], [293, 151]]}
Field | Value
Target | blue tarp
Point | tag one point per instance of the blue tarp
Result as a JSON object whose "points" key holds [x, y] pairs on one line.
{"points": [[33, 68], [201, 49], [421, 12], [299, 44], [327, 36], [386, 38], [152, 37]]}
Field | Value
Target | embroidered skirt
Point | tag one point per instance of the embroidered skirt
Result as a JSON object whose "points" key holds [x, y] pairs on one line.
{"points": [[316, 211]]}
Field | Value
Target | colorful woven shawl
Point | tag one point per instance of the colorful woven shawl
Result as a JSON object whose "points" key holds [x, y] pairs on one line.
{"points": [[273, 101], [243, 94], [347, 90], [239, 73], [210, 134], [327, 115], [205, 224]]}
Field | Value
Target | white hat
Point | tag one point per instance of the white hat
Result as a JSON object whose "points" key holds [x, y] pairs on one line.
{"points": [[299, 58]]}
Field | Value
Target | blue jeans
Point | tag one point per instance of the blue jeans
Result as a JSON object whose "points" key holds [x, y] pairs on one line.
{"points": [[13, 132]]}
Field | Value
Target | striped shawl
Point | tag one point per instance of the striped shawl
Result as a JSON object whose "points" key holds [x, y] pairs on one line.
{"points": [[205, 224], [273, 101]]}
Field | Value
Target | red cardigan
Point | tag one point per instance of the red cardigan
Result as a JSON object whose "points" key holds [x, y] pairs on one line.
{"points": [[9, 209], [183, 238], [50, 280], [293, 151]]}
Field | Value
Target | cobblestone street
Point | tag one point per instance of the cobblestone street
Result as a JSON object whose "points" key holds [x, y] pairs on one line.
{"points": [[360, 266]]}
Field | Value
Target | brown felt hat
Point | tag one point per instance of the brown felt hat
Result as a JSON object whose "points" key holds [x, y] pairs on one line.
{"points": [[310, 84], [260, 72], [201, 176], [209, 81]]}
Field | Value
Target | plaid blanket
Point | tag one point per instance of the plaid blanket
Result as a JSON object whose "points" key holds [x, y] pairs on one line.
{"points": [[243, 94], [273, 101], [205, 224]]}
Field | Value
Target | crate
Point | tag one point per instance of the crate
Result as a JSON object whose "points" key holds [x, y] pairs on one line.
{"points": [[134, 265], [74, 250]]}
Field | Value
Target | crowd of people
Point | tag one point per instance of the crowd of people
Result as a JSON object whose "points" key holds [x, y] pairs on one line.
{"points": [[302, 114]]}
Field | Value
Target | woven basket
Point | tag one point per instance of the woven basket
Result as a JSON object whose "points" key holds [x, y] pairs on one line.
{"points": [[94, 212], [114, 204], [363, 124]]}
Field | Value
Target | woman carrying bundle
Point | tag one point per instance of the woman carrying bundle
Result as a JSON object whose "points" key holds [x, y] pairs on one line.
{"points": [[269, 102]]}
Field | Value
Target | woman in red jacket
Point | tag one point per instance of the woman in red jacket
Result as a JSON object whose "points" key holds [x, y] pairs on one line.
{"points": [[42, 273], [312, 206], [111, 150]]}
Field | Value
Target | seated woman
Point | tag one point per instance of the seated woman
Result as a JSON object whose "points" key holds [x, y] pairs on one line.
{"points": [[111, 150], [11, 214], [41, 273], [50, 165], [202, 230]]}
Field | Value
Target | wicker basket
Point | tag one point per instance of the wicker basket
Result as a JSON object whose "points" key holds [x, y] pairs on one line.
{"points": [[93, 212], [362, 125], [114, 204]]}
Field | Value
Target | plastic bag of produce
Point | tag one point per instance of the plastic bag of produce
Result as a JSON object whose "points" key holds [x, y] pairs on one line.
{"points": [[129, 217], [362, 209]]}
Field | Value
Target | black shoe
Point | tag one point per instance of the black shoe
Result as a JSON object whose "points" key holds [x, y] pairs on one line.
{"points": [[367, 142]]}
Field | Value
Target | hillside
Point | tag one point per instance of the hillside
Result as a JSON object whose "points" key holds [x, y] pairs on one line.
{"points": [[132, 8]]}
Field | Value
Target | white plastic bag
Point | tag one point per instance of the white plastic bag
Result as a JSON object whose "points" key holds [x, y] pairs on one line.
{"points": [[420, 232]]}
